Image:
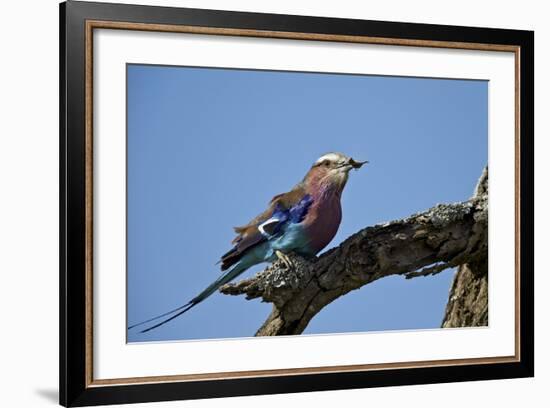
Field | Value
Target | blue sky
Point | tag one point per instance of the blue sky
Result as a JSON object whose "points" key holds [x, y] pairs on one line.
{"points": [[208, 148]]}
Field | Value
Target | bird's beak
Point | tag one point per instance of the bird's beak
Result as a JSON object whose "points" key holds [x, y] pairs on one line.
{"points": [[355, 164]]}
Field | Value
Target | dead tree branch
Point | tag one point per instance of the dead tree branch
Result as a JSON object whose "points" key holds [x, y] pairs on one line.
{"points": [[426, 243], [468, 303]]}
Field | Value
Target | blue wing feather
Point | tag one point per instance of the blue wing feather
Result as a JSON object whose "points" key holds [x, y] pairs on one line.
{"points": [[299, 211], [265, 228]]}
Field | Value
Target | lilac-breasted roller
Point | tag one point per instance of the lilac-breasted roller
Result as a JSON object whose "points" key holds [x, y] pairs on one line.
{"points": [[303, 220]]}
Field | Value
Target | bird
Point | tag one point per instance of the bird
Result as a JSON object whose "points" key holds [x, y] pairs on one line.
{"points": [[303, 220]]}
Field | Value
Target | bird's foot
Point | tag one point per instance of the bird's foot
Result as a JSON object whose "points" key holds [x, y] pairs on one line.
{"points": [[285, 259]]}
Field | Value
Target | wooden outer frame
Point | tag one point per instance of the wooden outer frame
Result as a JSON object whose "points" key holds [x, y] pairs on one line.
{"points": [[99, 24], [77, 22]]}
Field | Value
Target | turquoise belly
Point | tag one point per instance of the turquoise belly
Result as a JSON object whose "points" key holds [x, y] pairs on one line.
{"points": [[293, 239]]}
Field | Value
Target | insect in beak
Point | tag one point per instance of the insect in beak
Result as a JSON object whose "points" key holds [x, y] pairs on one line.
{"points": [[356, 165]]}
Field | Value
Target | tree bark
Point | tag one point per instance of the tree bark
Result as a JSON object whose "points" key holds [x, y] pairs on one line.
{"points": [[468, 303], [426, 243]]}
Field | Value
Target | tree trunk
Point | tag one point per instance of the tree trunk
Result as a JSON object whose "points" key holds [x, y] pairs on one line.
{"points": [[468, 303], [445, 236]]}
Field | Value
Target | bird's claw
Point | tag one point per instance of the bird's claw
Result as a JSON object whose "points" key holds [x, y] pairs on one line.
{"points": [[285, 259]]}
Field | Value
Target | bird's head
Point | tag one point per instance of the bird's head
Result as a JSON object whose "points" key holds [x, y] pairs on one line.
{"points": [[332, 170]]}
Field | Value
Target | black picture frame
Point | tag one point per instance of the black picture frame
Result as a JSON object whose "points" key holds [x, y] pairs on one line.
{"points": [[75, 387]]}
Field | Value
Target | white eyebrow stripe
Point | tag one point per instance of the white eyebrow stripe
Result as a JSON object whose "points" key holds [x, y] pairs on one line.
{"points": [[333, 157]]}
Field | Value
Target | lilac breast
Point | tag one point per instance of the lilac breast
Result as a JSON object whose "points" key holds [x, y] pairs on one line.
{"points": [[322, 221]]}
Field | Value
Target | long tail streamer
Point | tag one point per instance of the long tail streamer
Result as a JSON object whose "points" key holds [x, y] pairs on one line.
{"points": [[222, 280]]}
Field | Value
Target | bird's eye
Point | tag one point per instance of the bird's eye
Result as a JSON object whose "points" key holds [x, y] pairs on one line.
{"points": [[326, 163]]}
